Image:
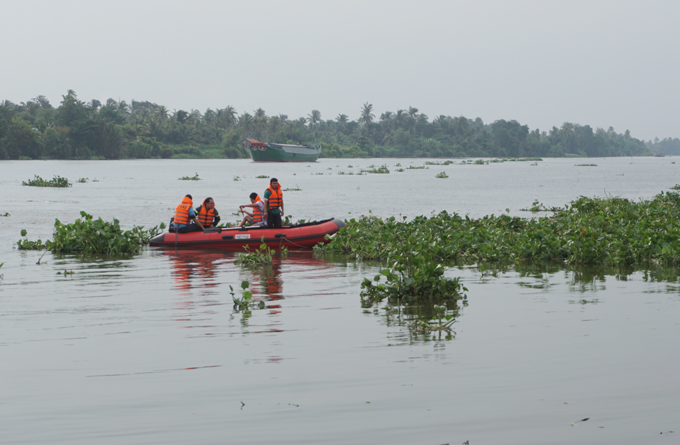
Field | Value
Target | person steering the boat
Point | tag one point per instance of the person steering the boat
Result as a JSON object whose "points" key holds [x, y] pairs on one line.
{"points": [[208, 214], [259, 215], [273, 199], [185, 215]]}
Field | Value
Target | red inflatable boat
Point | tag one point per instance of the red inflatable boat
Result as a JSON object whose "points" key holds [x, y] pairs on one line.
{"points": [[292, 237]]}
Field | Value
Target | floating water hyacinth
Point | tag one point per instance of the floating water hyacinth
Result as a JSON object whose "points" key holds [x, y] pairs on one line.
{"points": [[589, 231], [89, 235], [37, 181]]}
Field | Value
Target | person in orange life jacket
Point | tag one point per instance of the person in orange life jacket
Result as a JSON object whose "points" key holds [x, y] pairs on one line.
{"points": [[273, 201], [259, 215], [184, 215], [208, 214]]}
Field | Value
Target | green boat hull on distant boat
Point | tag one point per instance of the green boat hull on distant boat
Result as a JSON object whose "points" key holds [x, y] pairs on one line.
{"points": [[263, 152]]}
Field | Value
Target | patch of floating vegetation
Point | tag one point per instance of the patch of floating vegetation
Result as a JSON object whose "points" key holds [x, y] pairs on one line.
{"points": [[438, 162], [585, 165], [37, 181], [261, 256], [244, 303], [262, 177], [373, 169], [417, 167], [190, 178], [476, 162], [441, 175], [590, 231], [89, 235], [539, 207]]}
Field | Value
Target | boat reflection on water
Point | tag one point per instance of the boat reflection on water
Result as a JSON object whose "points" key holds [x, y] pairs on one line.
{"points": [[203, 271], [196, 268], [271, 283]]}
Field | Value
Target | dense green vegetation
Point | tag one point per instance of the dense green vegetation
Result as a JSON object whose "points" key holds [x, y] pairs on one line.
{"points": [[89, 235], [590, 231], [668, 146], [115, 129], [57, 181]]}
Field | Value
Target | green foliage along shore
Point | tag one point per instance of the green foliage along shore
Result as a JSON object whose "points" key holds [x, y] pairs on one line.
{"points": [[115, 129], [590, 231]]}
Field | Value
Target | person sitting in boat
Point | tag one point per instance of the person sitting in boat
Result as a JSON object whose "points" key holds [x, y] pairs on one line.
{"points": [[259, 215], [185, 215], [208, 214], [273, 200]]}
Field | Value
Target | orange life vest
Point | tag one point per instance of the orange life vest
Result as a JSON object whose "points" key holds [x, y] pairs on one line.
{"points": [[206, 217], [258, 216], [276, 198], [182, 211]]}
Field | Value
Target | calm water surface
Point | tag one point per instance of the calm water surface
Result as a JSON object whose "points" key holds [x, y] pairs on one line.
{"points": [[149, 349]]}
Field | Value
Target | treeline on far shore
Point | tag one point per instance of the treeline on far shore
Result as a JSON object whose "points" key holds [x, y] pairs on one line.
{"points": [[117, 130]]}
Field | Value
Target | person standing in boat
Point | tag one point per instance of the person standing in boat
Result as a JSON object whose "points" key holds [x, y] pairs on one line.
{"points": [[185, 215], [208, 214], [273, 199], [259, 215]]}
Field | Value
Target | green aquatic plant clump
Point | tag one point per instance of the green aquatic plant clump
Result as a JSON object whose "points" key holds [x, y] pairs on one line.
{"points": [[413, 278], [89, 235], [601, 231], [26, 244], [190, 178], [383, 169], [37, 181], [262, 256]]}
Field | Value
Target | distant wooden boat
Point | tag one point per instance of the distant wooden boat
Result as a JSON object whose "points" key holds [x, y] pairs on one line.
{"points": [[659, 155], [305, 235], [268, 152]]}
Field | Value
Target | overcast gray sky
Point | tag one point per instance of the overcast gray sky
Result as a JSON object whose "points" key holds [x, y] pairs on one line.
{"points": [[543, 63]]}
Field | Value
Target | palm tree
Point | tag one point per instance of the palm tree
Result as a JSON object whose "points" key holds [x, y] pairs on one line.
{"points": [[124, 107], [366, 114], [245, 121], [209, 115], [386, 116], [342, 119], [94, 104], [260, 120], [314, 117], [161, 115], [400, 118], [226, 117]]}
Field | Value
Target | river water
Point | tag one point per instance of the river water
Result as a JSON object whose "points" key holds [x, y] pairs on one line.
{"points": [[149, 349]]}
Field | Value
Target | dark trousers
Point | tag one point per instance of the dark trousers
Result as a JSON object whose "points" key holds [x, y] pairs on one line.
{"points": [[274, 220], [189, 228]]}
